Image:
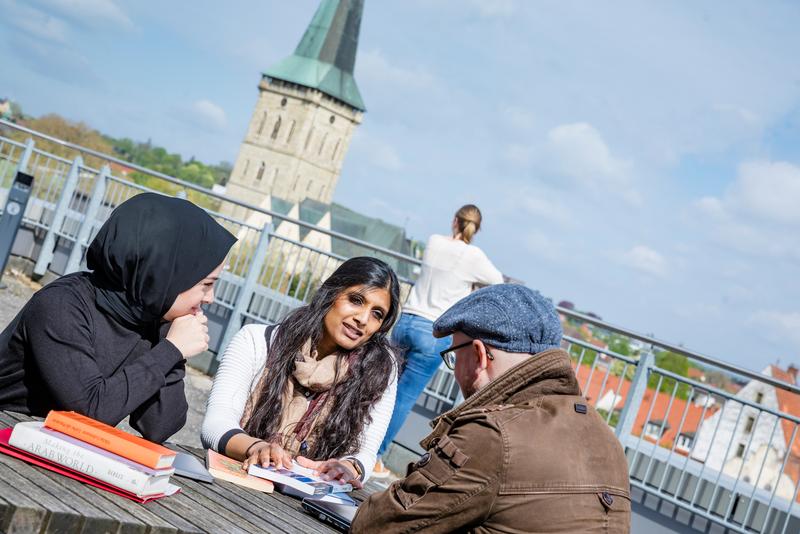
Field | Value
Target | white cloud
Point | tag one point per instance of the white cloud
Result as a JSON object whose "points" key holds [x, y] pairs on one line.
{"points": [[768, 190], [210, 113], [93, 13], [646, 260], [35, 23], [373, 65], [758, 214], [778, 326], [578, 151], [544, 205]]}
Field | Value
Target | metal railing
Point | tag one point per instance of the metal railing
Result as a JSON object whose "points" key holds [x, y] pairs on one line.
{"points": [[721, 446]]}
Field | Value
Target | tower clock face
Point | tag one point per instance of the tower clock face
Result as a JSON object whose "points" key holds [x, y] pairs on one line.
{"points": [[13, 208]]}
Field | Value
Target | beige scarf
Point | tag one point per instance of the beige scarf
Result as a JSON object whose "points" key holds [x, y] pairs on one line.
{"points": [[306, 398]]}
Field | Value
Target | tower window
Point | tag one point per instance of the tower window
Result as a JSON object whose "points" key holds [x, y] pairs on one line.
{"points": [[260, 174], [322, 144], [740, 450], [759, 397], [246, 166], [261, 124], [276, 129], [308, 138], [274, 177], [332, 119], [283, 102], [335, 150], [308, 186], [291, 131]]}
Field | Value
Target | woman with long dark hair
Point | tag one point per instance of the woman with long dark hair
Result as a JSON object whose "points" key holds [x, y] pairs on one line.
{"points": [[320, 385], [113, 342]]}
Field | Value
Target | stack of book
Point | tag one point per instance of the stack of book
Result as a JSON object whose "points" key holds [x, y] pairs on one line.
{"points": [[95, 453]]}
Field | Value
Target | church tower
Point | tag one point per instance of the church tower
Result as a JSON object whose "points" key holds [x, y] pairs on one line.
{"points": [[308, 108]]}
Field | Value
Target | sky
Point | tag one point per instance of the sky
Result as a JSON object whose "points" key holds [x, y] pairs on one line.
{"points": [[641, 160]]}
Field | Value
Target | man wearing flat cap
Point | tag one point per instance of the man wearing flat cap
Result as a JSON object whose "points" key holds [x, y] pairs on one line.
{"points": [[524, 452]]}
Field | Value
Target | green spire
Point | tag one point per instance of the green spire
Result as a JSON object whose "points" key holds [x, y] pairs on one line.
{"points": [[326, 55]]}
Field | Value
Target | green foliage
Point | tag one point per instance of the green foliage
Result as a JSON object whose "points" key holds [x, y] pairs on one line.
{"points": [[583, 355], [613, 420], [675, 363], [619, 344], [158, 159]]}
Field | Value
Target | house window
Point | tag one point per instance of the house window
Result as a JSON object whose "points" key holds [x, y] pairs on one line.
{"points": [[748, 426], [291, 131], [260, 174], [740, 450], [261, 124], [653, 430], [684, 442], [276, 129], [759, 397]]}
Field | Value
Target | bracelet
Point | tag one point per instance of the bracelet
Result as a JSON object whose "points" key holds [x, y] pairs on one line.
{"points": [[247, 451], [359, 467]]}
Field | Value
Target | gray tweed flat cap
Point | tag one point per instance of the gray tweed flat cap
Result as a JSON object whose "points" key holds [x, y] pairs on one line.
{"points": [[510, 317]]}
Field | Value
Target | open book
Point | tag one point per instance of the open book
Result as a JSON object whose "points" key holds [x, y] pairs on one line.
{"points": [[299, 478]]}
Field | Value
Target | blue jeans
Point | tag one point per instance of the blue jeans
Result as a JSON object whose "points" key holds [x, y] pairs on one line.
{"points": [[413, 334]]}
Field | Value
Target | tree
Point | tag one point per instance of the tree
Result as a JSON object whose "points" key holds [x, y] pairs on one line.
{"points": [[675, 363]]}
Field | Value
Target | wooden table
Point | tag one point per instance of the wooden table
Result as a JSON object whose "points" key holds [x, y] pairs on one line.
{"points": [[33, 499]]}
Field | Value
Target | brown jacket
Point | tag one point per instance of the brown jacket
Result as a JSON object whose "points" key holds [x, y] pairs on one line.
{"points": [[524, 454]]}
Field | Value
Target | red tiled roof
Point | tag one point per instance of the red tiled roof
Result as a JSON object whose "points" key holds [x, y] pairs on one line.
{"points": [[592, 391], [788, 403]]}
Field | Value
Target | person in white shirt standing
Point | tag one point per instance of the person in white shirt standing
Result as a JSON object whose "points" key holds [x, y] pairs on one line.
{"points": [[451, 268]]}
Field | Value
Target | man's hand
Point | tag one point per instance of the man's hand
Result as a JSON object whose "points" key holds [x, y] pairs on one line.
{"points": [[268, 453], [340, 471], [189, 334]]}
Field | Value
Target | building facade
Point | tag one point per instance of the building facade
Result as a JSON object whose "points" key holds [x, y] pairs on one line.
{"points": [[307, 110]]}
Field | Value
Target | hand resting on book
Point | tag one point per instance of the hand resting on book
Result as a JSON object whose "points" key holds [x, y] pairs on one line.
{"points": [[264, 453], [332, 470]]}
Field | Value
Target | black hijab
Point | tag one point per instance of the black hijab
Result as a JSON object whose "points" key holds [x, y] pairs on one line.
{"points": [[151, 249]]}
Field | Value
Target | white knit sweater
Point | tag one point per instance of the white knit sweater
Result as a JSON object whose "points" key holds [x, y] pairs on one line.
{"points": [[238, 375]]}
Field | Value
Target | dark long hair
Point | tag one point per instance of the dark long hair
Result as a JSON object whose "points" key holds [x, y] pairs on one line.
{"points": [[368, 374]]}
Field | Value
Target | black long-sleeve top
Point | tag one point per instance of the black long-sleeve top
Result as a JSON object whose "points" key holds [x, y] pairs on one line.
{"points": [[62, 352]]}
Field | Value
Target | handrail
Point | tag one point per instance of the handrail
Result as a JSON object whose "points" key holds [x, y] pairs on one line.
{"points": [[414, 261], [201, 189], [680, 350]]}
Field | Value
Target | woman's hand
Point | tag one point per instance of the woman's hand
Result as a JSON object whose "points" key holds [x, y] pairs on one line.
{"points": [[268, 453], [189, 334], [341, 471]]}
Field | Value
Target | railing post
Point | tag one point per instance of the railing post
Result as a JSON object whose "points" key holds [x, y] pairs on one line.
{"points": [[246, 293], [26, 156], [636, 393], [98, 193], [46, 253]]}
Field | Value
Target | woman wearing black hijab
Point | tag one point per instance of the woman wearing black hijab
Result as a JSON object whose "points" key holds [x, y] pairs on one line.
{"points": [[113, 342]]}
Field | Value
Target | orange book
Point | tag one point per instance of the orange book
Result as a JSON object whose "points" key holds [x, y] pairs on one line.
{"points": [[111, 439], [225, 468]]}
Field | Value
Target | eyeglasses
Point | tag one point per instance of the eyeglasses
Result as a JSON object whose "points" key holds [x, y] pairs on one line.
{"points": [[449, 355]]}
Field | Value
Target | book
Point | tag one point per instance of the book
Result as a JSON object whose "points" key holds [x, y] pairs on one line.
{"points": [[108, 467], [299, 478], [27, 457], [111, 439], [231, 470]]}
